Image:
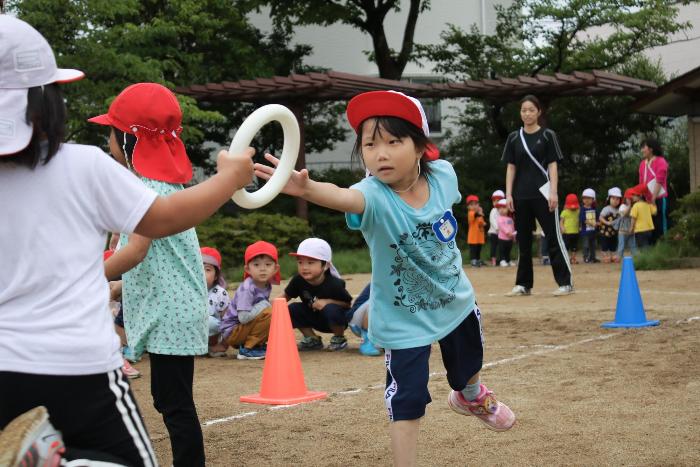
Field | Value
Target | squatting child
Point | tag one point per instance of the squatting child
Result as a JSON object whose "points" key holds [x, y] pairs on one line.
{"points": [[325, 303], [218, 298], [246, 324]]}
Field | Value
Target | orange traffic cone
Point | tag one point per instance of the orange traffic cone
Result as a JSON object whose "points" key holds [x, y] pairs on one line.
{"points": [[283, 378]]}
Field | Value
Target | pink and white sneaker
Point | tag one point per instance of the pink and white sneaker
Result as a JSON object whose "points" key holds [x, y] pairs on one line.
{"points": [[129, 371], [494, 414]]}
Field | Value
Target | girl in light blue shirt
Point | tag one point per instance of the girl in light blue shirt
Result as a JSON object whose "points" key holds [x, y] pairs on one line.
{"points": [[420, 293]]}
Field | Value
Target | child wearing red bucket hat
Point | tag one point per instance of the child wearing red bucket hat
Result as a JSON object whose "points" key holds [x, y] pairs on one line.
{"points": [[246, 324], [570, 220], [218, 298], [419, 291], [66, 198], [164, 293]]}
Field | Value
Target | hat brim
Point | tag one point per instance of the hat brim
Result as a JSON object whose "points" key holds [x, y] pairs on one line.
{"points": [[307, 256], [15, 131], [103, 119], [571, 206], [67, 75], [382, 104]]}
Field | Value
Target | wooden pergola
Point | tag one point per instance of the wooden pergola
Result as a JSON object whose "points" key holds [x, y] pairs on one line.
{"points": [[296, 90]]}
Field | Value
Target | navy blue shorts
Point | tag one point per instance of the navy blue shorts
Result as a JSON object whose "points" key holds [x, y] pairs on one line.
{"points": [[407, 370], [304, 317], [119, 319]]}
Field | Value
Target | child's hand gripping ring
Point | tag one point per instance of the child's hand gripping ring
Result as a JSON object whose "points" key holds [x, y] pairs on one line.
{"points": [[290, 150]]}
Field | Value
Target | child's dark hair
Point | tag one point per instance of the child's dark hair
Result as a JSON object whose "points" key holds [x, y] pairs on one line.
{"points": [[532, 99], [127, 144], [397, 127], [47, 113], [654, 145]]}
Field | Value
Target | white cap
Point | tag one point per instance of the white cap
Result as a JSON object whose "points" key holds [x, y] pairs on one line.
{"points": [[26, 61], [501, 203], [498, 193], [319, 249], [615, 191], [588, 193]]}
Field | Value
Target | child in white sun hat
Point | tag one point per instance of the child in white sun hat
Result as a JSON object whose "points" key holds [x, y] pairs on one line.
{"points": [[607, 219], [65, 198], [325, 303], [420, 293]]}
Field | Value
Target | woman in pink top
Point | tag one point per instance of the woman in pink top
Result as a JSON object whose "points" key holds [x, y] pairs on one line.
{"points": [[654, 167]]}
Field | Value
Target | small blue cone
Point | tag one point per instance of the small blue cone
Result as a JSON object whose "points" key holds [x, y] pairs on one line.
{"points": [[630, 310]]}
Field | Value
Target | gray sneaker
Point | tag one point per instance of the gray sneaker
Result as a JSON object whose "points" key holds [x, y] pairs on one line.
{"points": [[563, 290], [310, 343], [517, 291], [338, 343]]}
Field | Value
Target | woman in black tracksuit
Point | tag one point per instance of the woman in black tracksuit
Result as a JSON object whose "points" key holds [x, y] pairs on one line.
{"points": [[524, 179]]}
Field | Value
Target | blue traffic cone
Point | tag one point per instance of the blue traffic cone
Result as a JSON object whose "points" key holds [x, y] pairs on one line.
{"points": [[630, 310]]}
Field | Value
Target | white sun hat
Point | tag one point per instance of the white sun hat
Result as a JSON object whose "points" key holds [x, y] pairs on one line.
{"points": [[588, 193], [26, 61], [615, 191]]}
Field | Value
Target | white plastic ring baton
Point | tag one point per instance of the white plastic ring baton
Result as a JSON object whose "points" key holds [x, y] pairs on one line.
{"points": [[288, 159]]}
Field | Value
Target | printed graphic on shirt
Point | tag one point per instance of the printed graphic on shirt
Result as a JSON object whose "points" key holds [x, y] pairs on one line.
{"points": [[425, 269]]}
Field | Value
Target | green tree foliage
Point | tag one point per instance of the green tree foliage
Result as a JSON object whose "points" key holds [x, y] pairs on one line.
{"points": [[174, 42], [367, 16], [549, 36]]}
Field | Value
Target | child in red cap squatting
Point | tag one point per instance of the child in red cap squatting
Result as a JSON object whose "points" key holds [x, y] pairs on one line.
{"points": [[218, 299], [420, 293], [493, 225], [642, 213], [246, 324], [163, 291], [571, 224], [475, 234], [325, 303], [65, 199]]}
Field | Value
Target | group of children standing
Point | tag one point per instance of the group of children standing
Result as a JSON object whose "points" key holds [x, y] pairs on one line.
{"points": [[625, 222], [501, 230]]}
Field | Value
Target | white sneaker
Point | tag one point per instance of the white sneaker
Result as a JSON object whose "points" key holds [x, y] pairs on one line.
{"points": [[518, 290], [503, 263], [511, 264], [563, 290]]}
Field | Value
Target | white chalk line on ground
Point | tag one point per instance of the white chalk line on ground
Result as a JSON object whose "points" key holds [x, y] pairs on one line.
{"points": [[644, 291], [350, 392]]}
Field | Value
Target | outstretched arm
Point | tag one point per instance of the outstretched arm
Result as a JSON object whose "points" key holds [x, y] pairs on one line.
{"points": [[184, 209], [321, 193]]}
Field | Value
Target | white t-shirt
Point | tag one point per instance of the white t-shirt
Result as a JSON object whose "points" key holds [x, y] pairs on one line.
{"points": [[54, 316]]}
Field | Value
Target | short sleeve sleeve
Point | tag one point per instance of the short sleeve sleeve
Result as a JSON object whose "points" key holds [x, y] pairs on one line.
{"points": [[368, 187], [122, 198], [448, 180], [554, 153], [292, 289], [341, 293], [509, 150]]}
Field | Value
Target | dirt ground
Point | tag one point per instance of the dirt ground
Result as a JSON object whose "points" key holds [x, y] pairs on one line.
{"points": [[583, 395]]}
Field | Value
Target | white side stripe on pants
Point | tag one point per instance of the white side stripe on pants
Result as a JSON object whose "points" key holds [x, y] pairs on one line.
{"points": [[562, 247], [135, 414], [392, 388], [144, 452]]}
